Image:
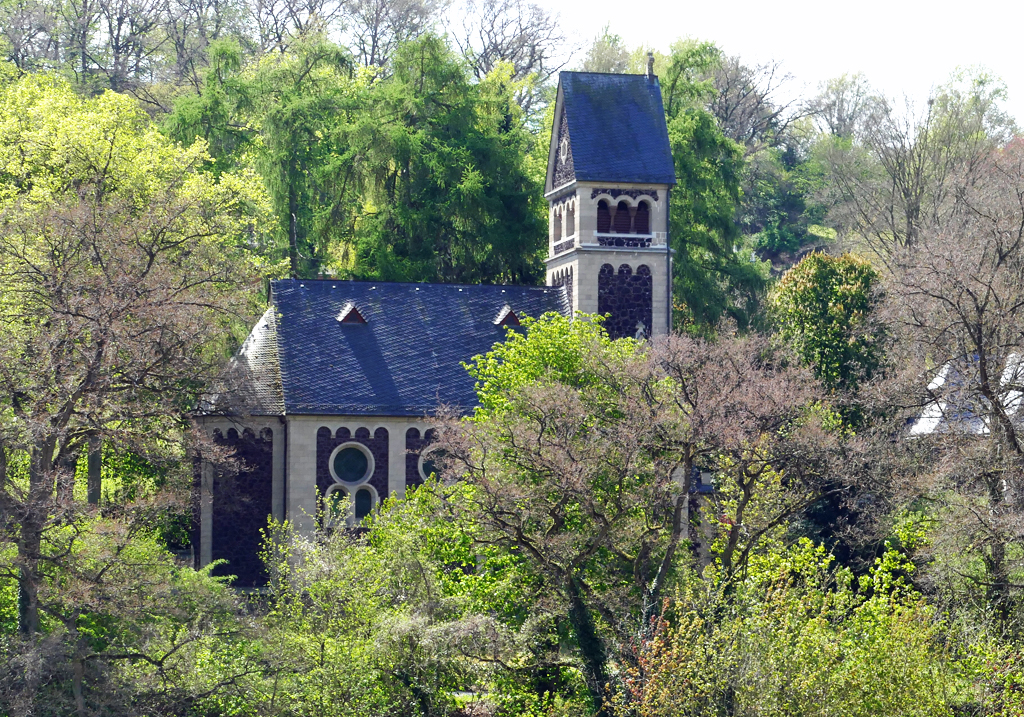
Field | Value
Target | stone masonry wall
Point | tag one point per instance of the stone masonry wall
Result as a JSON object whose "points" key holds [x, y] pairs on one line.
{"points": [[628, 297]]}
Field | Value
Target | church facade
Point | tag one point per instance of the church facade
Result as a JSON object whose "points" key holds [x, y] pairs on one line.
{"points": [[338, 380]]}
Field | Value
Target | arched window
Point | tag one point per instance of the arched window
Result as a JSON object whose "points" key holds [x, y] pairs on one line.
{"points": [[625, 270], [642, 221], [334, 509], [558, 226], [570, 221], [604, 217], [363, 503], [622, 218]]}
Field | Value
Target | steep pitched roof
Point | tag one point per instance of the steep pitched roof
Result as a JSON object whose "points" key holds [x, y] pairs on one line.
{"points": [[616, 129], [404, 360], [957, 403]]}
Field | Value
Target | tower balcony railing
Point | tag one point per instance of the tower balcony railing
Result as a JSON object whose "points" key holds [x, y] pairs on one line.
{"points": [[610, 239], [629, 241]]}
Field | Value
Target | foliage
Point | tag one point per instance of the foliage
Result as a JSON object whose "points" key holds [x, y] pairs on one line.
{"points": [[449, 196], [823, 307], [798, 635], [122, 266], [127, 629], [422, 175]]}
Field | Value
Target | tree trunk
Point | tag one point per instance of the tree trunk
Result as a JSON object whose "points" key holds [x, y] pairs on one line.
{"points": [[28, 580], [591, 647], [95, 461], [37, 510]]}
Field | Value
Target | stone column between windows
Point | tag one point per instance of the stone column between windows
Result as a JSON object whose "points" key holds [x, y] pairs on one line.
{"points": [[206, 514], [301, 493], [396, 458], [277, 472]]}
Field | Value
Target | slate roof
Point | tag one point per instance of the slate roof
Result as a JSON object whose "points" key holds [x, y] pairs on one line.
{"points": [[404, 361], [617, 130]]}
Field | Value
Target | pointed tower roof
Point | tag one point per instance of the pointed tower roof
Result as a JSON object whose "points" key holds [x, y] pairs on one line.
{"points": [[609, 128]]}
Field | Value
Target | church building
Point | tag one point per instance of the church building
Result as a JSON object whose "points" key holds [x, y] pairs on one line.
{"points": [[339, 379]]}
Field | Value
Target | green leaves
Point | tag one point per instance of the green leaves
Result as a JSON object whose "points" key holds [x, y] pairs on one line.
{"points": [[823, 308], [710, 279]]}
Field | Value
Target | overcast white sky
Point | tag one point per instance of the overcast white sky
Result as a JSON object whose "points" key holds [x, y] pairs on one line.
{"points": [[902, 46]]}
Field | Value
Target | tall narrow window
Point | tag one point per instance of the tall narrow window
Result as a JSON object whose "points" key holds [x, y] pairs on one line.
{"points": [[558, 226], [622, 218], [604, 217], [570, 221], [363, 503], [642, 221]]}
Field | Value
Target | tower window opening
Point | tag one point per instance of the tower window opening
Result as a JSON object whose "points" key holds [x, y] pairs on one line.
{"points": [[604, 217], [558, 226], [622, 218], [642, 220], [570, 221]]}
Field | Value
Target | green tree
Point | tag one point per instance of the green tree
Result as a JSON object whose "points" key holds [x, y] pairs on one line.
{"points": [[449, 192], [122, 266], [798, 635], [712, 278], [823, 307]]}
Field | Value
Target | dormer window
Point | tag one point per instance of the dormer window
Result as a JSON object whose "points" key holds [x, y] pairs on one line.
{"points": [[506, 317], [349, 314]]}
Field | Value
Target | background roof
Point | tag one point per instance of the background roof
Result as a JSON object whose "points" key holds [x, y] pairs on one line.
{"points": [[405, 360], [617, 130]]}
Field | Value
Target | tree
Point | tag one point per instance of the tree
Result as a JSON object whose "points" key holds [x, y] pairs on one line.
{"points": [[958, 294], [905, 171], [843, 106], [582, 456], [121, 264], [824, 307], [606, 54], [378, 27], [516, 32], [798, 635], [746, 106], [443, 165]]}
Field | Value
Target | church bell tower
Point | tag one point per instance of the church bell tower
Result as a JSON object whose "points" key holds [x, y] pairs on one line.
{"points": [[609, 174]]}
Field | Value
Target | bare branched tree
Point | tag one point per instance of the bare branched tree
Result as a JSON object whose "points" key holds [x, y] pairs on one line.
{"points": [[747, 105], [29, 26], [190, 27], [277, 22], [905, 171], [959, 292], [514, 31], [378, 27], [843, 105]]}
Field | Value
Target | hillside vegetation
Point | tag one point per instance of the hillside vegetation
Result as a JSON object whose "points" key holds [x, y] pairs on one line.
{"points": [[748, 517]]}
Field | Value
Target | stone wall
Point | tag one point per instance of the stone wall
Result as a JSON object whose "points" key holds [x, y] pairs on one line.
{"points": [[242, 501], [628, 297], [377, 445], [414, 446]]}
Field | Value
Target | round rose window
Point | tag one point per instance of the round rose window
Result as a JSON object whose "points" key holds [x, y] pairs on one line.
{"points": [[350, 465]]}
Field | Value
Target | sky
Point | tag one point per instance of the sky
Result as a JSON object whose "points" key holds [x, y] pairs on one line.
{"points": [[903, 47]]}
